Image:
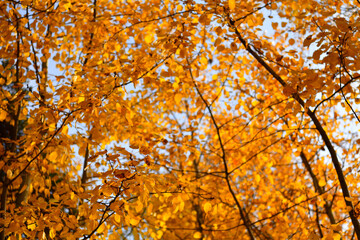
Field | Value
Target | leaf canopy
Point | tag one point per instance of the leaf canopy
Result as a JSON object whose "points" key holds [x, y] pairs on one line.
{"points": [[179, 119]]}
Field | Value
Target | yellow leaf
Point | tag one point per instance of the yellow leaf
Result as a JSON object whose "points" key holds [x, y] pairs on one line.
{"points": [[134, 221], [3, 115], [24, 111], [336, 236], [72, 195], [67, 5], [207, 207], [257, 178], [101, 228], [181, 206], [139, 206], [52, 127], [322, 183], [118, 107], [232, 4], [65, 129], [117, 218], [177, 98], [9, 173], [149, 38], [53, 156], [31, 226], [117, 47], [52, 233], [197, 235]]}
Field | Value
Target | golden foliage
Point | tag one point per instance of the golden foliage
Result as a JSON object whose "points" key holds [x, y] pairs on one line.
{"points": [[179, 119]]}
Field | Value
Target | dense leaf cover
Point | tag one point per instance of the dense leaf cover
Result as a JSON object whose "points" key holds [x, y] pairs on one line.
{"points": [[159, 119]]}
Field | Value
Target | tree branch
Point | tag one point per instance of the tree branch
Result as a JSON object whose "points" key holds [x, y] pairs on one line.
{"points": [[320, 129], [227, 174]]}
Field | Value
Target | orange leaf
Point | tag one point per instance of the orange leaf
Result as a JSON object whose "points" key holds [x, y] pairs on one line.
{"points": [[232, 5], [288, 91], [121, 173]]}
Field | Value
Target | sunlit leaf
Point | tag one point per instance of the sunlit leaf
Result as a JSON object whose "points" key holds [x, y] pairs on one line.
{"points": [[232, 4]]}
